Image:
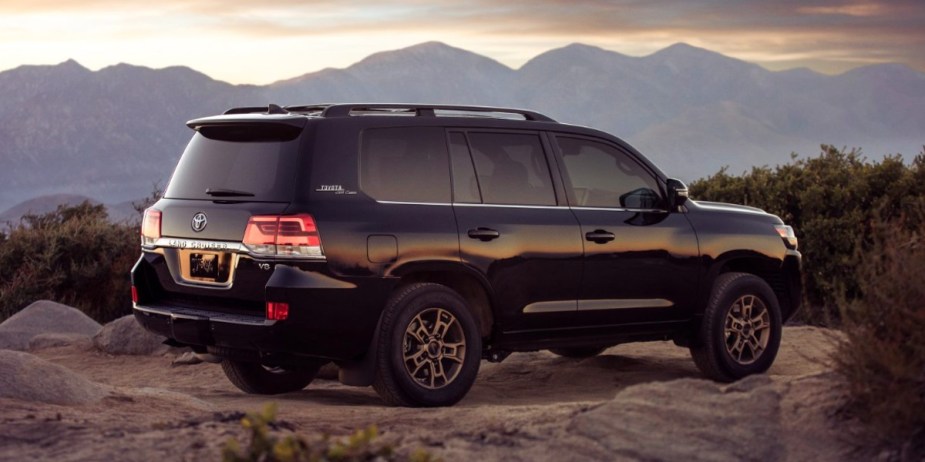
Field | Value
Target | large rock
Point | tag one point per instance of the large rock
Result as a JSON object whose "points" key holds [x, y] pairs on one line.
{"points": [[125, 336], [44, 317], [56, 340], [30, 378], [689, 419]]}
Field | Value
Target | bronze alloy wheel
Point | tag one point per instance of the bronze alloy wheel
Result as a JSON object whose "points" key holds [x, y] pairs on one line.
{"points": [[434, 348], [747, 329]]}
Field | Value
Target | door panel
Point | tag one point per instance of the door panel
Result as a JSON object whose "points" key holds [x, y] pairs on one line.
{"points": [[527, 245], [640, 261], [536, 258], [647, 273]]}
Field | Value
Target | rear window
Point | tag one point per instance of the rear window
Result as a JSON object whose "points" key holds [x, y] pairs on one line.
{"points": [[253, 168]]}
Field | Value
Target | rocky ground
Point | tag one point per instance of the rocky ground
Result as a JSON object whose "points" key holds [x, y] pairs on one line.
{"points": [[117, 395]]}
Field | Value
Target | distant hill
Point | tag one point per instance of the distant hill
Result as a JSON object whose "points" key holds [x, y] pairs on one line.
{"points": [[111, 133]]}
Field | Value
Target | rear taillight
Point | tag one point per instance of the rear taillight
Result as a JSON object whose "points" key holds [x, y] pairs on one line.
{"points": [[289, 235], [151, 227], [277, 311], [134, 294]]}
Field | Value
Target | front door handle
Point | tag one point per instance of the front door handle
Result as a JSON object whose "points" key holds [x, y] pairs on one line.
{"points": [[600, 236], [484, 234]]}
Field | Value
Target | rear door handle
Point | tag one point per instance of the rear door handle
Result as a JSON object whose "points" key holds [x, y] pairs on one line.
{"points": [[600, 236], [484, 234]]}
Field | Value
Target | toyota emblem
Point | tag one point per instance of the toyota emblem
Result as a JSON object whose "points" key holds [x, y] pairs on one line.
{"points": [[199, 222]]}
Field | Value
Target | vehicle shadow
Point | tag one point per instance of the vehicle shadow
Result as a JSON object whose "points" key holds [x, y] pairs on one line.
{"points": [[542, 378], [536, 378]]}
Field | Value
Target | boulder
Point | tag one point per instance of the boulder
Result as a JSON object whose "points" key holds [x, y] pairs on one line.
{"points": [[688, 419], [29, 378], [329, 371], [43, 317], [125, 336], [55, 340], [186, 359]]}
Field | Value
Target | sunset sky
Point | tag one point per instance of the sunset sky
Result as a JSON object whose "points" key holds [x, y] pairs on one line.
{"points": [[243, 41]]}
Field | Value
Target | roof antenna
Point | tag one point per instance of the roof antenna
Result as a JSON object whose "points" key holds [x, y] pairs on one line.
{"points": [[274, 109]]}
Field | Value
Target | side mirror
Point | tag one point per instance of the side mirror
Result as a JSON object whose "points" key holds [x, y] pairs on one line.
{"points": [[677, 193]]}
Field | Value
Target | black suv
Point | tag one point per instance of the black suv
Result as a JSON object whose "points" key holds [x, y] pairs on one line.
{"points": [[406, 243]]}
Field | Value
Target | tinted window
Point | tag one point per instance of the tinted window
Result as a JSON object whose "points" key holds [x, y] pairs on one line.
{"points": [[265, 169], [407, 164], [603, 176], [512, 169], [465, 186]]}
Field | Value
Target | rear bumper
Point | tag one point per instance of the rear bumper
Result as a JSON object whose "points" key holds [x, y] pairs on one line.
{"points": [[332, 318]]}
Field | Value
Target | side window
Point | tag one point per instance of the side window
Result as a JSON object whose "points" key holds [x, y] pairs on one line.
{"points": [[407, 164], [512, 169], [603, 176], [465, 186]]}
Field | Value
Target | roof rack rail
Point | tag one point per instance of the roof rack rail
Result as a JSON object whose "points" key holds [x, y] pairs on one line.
{"points": [[424, 110], [418, 110]]}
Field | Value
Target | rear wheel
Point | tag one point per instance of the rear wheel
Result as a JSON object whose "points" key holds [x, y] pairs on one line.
{"points": [[578, 352], [741, 328], [258, 379], [429, 347]]}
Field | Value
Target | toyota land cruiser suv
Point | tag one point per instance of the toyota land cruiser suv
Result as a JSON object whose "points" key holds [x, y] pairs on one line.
{"points": [[406, 243]]}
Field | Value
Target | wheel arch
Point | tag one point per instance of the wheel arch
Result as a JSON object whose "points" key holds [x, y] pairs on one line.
{"points": [[467, 282], [783, 276], [470, 284]]}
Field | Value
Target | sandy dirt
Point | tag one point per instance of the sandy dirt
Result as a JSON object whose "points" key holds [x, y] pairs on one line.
{"points": [[632, 402]]}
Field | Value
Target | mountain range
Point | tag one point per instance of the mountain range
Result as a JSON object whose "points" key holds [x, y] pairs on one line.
{"points": [[115, 133]]}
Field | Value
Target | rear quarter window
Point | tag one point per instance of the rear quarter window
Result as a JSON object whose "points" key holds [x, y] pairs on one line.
{"points": [[405, 164]]}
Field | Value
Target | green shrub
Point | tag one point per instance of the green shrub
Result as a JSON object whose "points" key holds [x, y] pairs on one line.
{"points": [[882, 356], [266, 447], [830, 200], [72, 255]]}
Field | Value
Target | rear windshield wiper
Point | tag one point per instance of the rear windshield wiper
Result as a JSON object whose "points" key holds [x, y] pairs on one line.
{"points": [[228, 193]]}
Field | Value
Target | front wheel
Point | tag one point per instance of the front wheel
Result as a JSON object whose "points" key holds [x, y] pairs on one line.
{"points": [[429, 347], [258, 379], [741, 329]]}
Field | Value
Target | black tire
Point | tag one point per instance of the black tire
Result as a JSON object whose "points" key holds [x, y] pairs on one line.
{"points": [[733, 341], [430, 347], [578, 352], [257, 379]]}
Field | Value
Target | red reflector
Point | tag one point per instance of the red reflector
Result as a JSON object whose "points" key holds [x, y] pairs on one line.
{"points": [[277, 311], [134, 294]]}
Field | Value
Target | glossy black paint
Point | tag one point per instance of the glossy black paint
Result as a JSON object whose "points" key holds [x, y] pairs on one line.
{"points": [[557, 254], [653, 256], [536, 258]]}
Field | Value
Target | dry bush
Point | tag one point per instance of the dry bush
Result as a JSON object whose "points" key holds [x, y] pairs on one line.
{"points": [[882, 356], [73, 255], [830, 200]]}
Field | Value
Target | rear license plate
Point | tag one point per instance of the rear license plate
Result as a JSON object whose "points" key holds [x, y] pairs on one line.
{"points": [[203, 265]]}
